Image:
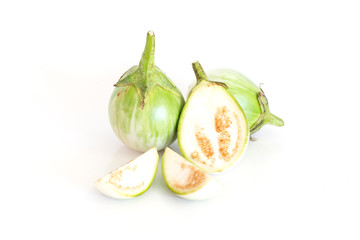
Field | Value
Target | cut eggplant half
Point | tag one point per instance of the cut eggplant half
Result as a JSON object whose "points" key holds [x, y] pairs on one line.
{"points": [[131, 179], [186, 180], [213, 131]]}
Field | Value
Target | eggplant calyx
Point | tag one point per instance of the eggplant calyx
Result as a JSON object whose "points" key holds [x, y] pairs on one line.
{"points": [[145, 76], [266, 117]]}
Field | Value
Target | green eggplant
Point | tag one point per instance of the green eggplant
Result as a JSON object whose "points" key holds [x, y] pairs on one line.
{"points": [[145, 105], [251, 98]]}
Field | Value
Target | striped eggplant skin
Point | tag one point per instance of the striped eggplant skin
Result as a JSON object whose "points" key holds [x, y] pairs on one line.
{"points": [[145, 105], [142, 128], [250, 97]]}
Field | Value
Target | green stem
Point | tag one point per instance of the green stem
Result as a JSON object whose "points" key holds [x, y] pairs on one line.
{"points": [[275, 120], [147, 59], [199, 72], [266, 117]]}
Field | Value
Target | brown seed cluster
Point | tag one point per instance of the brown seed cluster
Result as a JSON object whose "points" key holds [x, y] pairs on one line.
{"points": [[222, 125], [223, 122], [224, 139], [116, 177], [222, 119], [194, 178], [238, 139], [225, 155], [204, 143]]}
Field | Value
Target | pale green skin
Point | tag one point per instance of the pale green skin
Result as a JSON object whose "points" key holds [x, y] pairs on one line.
{"points": [[153, 125], [250, 97], [149, 184], [145, 106]]}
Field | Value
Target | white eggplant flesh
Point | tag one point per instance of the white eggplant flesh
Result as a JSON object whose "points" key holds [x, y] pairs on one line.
{"points": [[186, 180], [132, 179], [213, 131]]}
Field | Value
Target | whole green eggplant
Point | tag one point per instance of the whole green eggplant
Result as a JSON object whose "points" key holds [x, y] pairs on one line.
{"points": [[145, 106], [250, 97]]}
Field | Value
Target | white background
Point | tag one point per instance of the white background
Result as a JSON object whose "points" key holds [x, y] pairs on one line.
{"points": [[60, 59]]}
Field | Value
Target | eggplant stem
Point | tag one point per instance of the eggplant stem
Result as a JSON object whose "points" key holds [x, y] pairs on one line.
{"points": [[275, 120], [147, 60], [266, 117], [199, 72]]}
